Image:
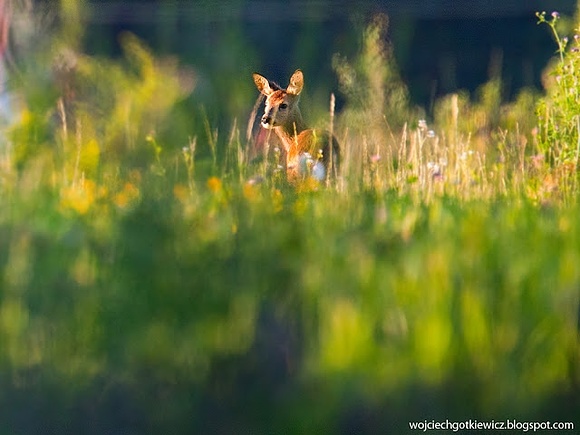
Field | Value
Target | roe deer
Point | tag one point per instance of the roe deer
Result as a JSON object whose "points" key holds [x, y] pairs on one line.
{"points": [[307, 152]]}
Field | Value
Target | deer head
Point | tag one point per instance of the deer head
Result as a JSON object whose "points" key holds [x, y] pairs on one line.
{"points": [[281, 104]]}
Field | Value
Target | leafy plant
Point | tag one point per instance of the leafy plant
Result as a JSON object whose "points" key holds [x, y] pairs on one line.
{"points": [[559, 111]]}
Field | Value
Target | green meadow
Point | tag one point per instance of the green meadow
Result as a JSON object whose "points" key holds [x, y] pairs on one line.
{"points": [[155, 280]]}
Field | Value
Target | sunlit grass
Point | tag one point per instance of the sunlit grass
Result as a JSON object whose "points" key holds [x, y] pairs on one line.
{"points": [[442, 259]]}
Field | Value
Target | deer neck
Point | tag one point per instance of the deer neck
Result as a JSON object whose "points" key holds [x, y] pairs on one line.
{"points": [[288, 133]]}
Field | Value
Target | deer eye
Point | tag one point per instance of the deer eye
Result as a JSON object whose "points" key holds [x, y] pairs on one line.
{"points": [[283, 106]]}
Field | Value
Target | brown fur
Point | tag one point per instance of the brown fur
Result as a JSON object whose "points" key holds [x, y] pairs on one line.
{"points": [[282, 114]]}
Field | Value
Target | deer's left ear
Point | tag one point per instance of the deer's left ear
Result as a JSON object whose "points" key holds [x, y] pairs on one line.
{"points": [[296, 83], [262, 84]]}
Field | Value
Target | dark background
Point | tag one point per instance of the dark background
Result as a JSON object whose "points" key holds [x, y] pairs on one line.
{"points": [[440, 46]]}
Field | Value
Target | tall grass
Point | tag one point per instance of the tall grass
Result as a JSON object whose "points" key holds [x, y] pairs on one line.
{"points": [[150, 284]]}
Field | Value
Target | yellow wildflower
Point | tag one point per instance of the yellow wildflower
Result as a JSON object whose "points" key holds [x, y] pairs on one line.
{"points": [[180, 192], [251, 192], [126, 196], [79, 197], [214, 184]]}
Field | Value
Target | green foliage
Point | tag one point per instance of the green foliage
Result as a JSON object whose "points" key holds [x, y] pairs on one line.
{"points": [[559, 122], [148, 288], [371, 82]]}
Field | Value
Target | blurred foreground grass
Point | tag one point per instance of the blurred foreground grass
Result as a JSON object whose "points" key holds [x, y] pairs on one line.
{"points": [[147, 286], [283, 310]]}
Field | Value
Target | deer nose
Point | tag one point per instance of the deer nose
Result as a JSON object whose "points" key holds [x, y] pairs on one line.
{"points": [[267, 119]]}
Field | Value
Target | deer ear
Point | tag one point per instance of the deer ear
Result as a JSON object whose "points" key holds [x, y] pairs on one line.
{"points": [[262, 84], [296, 83]]}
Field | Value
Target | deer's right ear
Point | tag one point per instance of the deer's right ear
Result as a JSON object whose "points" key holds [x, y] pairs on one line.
{"points": [[262, 84]]}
